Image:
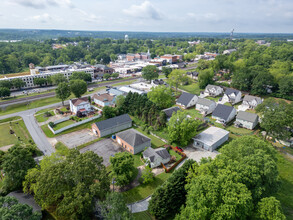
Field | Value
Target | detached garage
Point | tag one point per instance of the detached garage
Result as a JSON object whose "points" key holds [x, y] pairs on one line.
{"points": [[211, 138]]}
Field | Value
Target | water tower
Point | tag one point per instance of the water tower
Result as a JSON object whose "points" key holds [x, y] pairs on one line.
{"points": [[126, 38]]}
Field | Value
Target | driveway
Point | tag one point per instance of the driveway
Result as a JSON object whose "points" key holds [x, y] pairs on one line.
{"points": [[196, 154], [77, 138], [104, 148], [242, 108]]}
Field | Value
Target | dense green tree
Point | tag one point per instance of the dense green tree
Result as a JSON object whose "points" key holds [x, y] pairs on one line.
{"points": [[161, 96], [115, 75], [58, 78], [82, 76], [177, 77], [270, 209], [286, 86], [205, 77], [120, 99], [106, 76], [40, 81], [114, 208], [17, 83], [277, 116], [10, 208], [169, 197], [69, 184], [63, 91], [6, 84], [261, 83], [78, 87], [166, 71], [150, 72], [109, 112], [147, 175], [16, 162], [123, 169], [4, 92], [182, 128]]}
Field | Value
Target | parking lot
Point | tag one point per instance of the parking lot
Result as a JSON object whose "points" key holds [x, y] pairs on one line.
{"points": [[76, 138], [104, 148], [196, 154]]}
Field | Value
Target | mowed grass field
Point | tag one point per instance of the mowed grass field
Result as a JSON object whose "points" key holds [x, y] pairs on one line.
{"points": [[19, 129]]}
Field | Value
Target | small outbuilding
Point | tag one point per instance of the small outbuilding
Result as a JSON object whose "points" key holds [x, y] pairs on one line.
{"points": [[156, 156], [112, 125], [133, 141], [211, 138], [187, 100], [246, 120], [170, 111]]}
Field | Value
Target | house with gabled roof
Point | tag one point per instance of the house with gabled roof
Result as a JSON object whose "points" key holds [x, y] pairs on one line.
{"points": [[133, 141], [170, 111], [205, 106], [187, 100], [232, 96], [246, 120], [224, 113], [156, 157], [251, 101], [80, 104], [112, 125], [212, 90], [104, 99]]}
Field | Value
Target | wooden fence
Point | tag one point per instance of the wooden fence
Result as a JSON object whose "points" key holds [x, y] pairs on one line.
{"points": [[167, 170]]}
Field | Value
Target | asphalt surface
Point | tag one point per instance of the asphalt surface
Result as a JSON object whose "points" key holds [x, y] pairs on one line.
{"points": [[52, 94]]}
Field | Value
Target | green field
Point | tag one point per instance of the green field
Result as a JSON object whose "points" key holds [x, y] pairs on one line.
{"points": [[18, 127], [156, 142], [285, 194], [42, 118], [142, 191], [63, 124], [192, 88]]}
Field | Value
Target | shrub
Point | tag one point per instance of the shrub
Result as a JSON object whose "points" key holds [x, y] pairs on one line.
{"points": [[47, 114], [52, 125]]}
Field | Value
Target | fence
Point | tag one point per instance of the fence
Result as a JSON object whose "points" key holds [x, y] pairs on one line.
{"points": [[73, 125], [61, 120], [177, 162]]}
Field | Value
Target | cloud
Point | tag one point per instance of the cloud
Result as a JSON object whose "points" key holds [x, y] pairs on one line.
{"points": [[145, 11], [44, 18], [209, 17], [88, 17], [41, 4]]}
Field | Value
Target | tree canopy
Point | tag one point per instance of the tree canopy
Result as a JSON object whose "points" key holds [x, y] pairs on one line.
{"points": [[150, 72], [78, 87], [161, 96], [63, 91]]}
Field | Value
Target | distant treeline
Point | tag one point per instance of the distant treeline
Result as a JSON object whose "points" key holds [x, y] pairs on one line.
{"points": [[21, 34]]}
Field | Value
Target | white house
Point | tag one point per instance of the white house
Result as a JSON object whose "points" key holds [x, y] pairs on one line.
{"points": [[211, 138], [251, 101], [187, 100], [156, 156], [80, 104], [246, 120], [223, 113], [229, 51], [104, 99], [212, 90], [231, 95], [205, 106]]}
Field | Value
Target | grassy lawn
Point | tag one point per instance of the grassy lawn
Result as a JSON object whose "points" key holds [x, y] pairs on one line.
{"points": [[161, 76], [239, 131], [143, 216], [41, 117], [285, 194], [63, 124], [10, 119], [20, 130], [143, 191], [49, 133], [173, 153], [156, 142], [162, 133], [192, 88], [194, 113], [213, 98], [137, 160], [124, 83], [61, 148]]}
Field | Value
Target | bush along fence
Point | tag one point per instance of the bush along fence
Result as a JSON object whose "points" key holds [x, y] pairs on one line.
{"points": [[167, 170], [72, 125]]}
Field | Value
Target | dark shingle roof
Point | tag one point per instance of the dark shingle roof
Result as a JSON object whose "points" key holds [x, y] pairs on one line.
{"points": [[185, 98], [229, 91], [113, 122], [133, 137], [247, 116], [77, 101], [152, 154], [162, 152], [222, 111], [249, 98], [170, 111]]}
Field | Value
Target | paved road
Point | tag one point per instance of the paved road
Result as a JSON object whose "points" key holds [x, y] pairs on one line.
{"points": [[52, 94]]}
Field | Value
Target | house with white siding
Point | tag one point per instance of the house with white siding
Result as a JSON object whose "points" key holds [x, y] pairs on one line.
{"points": [[251, 101], [187, 100], [104, 99], [212, 90], [232, 96], [224, 113], [156, 157], [246, 120], [205, 106], [80, 104]]}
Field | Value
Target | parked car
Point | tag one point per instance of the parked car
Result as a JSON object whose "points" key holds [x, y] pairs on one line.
{"points": [[179, 148]]}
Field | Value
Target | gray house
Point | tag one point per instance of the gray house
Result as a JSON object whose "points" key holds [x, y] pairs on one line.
{"points": [[251, 101], [246, 120], [112, 125], [205, 106], [156, 156], [187, 100], [169, 111], [223, 113], [211, 138], [133, 141]]}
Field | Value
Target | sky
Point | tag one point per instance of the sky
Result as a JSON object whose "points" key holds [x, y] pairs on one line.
{"points": [[255, 16]]}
